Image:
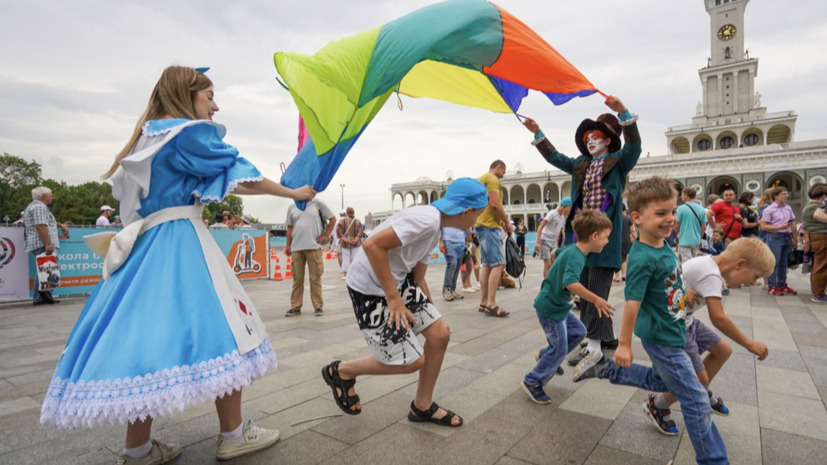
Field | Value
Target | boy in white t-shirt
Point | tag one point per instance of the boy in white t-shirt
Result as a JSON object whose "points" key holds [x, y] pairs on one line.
{"points": [[742, 263], [393, 304]]}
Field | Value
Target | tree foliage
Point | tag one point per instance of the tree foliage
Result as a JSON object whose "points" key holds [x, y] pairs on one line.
{"points": [[78, 203]]}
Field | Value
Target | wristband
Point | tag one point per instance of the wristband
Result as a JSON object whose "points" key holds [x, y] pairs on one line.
{"points": [[625, 116], [539, 135]]}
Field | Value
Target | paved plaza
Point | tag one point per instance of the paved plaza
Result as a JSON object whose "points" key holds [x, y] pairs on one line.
{"points": [[778, 406]]}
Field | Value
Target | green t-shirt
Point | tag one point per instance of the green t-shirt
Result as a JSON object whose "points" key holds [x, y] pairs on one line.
{"points": [[488, 218], [553, 300], [654, 278], [813, 225]]}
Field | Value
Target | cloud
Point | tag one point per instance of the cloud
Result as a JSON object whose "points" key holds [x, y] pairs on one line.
{"points": [[79, 74]]}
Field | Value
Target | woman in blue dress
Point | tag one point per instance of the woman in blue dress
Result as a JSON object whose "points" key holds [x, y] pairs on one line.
{"points": [[169, 326]]}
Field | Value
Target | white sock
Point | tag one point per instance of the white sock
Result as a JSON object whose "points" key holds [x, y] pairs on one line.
{"points": [[138, 452], [594, 344], [234, 434]]}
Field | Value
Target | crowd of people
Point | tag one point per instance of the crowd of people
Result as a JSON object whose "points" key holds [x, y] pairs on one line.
{"points": [[584, 242]]}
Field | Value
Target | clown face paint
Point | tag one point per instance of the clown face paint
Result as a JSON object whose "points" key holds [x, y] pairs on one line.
{"points": [[596, 143]]}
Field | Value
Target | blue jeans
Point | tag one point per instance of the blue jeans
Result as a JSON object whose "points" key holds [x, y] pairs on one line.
{"points": [[492, 246], [672, 371], [37, 298], [454, 255], [563, 337], [781, 245]]}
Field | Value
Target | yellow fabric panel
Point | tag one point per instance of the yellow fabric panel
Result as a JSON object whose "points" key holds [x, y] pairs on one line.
{"points": [[441, 81]]}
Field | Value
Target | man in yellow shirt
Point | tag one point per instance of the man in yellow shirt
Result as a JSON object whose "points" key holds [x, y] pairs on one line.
{"points": [[492, 244]]}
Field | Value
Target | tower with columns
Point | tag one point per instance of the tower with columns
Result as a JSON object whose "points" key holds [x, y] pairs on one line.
{"points": [[730, 114]]}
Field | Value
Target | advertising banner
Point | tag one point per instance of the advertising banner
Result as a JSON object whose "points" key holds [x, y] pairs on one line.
{"points": [[48, 272], [246, 251], [80, 268], [14, 264]]}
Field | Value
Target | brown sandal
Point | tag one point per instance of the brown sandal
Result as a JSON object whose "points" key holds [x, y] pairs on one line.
{"points": [[482, 308], [496, 311]]}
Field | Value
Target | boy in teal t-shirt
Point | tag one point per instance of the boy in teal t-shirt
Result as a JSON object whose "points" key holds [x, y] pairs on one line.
{"points": [[563, 329], [656, 307]]}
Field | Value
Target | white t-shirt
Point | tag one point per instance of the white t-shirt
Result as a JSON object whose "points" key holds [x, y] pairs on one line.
{"points": [[102, 221], [418, 230], [702, 275], [554, 224]]}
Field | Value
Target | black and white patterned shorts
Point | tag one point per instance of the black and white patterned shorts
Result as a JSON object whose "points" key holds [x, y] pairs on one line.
{"points": [[389, 345]]}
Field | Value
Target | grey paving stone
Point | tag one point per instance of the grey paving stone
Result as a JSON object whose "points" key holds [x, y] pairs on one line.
{"points": [[741, 434], [633, 432], [736, 380], [794, 415], [792, 383], [607, 456], [305, 448], [810, 339], [376, 416], [563, 437], [287, 398], [506, 460], [785, 359], [807, 327], [294, 420], [781, 448], [599, 398], [479, 442], [394, 444], [450, 380], [489, 360]]}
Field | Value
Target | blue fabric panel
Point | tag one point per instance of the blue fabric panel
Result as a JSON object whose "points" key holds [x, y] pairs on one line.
{"points": [[559, 99], [513, 94], [316, 170]]}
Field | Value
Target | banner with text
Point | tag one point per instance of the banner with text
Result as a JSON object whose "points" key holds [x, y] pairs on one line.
{"points": [[14, 264]]}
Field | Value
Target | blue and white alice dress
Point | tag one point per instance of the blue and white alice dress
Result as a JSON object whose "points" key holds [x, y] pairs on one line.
{"points": [[170, 325]]}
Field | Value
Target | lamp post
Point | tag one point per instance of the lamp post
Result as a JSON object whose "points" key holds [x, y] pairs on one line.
{"points": [[343, 195]]}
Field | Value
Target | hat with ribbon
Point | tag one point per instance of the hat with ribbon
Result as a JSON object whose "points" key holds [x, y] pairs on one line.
{"points": [[606, 123]]}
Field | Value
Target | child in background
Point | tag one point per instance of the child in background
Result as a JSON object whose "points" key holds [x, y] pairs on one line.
{"points": [[717, 243]]}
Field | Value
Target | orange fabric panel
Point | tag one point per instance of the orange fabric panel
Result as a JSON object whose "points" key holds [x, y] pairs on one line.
{"points": [[530, 61]]}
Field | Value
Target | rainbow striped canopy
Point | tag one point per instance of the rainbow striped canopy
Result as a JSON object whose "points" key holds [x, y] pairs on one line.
{"points": [[469, 52]]}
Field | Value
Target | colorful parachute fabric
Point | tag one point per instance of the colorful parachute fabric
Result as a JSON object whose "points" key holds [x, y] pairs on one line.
{"points": [[469, 52]]}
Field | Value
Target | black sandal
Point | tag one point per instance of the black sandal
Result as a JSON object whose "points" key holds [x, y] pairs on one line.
{"points": [[428, 415], [344, 401]]}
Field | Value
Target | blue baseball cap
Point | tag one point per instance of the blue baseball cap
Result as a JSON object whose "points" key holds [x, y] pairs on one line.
{"points": [[566, 202], [462, 194]]}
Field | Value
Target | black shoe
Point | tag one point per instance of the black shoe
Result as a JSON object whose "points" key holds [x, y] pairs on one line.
{"points": [[610, 345], [560, 371], [47, 297], [293, 312], [576, 359], [318, 312]]}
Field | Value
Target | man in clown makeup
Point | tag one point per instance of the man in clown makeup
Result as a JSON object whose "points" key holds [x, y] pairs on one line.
{"points": [[598, 182]]}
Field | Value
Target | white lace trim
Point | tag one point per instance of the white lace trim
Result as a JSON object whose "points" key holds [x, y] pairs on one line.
{"points": [[630, 121], [96, 403], [231, 186]]}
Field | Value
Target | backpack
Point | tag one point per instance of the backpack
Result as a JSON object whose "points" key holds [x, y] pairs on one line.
{"points": [[514, 264]]}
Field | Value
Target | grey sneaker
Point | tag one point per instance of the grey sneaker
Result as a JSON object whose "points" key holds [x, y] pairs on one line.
{"points": [[160, 453], [577, 358], [252, 439], [293, 312], [585, 366], [456, 294], [318, 312], [447, 294]]}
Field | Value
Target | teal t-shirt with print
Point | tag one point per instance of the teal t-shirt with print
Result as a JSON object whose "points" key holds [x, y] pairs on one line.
{"points": [[553, 300], [654, 278]]}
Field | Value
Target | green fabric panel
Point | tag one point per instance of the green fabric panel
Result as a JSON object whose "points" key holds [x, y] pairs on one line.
{"points": [[465, 33], [326, 86]]}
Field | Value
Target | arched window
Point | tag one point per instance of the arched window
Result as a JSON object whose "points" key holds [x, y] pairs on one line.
{"points": [[704, 145], [727, 142], [751, 139]]}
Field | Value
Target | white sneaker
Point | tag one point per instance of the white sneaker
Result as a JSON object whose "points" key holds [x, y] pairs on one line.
{"points": [[252, 439], [469, 290], [593, 358], [477, 286], [160, 453]]}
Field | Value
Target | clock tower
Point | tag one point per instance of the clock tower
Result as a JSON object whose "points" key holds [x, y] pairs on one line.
{"points": [[729, 114], [729, 78]]}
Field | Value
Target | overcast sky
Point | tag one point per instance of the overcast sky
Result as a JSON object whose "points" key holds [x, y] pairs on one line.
{"points": [[76, 75]]}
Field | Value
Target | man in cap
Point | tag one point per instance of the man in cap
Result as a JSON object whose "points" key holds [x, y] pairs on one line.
{"points": [[103, 220], [548, 233], [245, 222], [598, 182]]}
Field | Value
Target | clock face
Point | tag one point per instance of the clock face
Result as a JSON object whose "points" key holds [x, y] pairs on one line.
{"points": [[726, 32]]}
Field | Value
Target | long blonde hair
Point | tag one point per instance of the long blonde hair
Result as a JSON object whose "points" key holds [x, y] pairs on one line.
{"points": [[765, 198], [173, 96]]}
